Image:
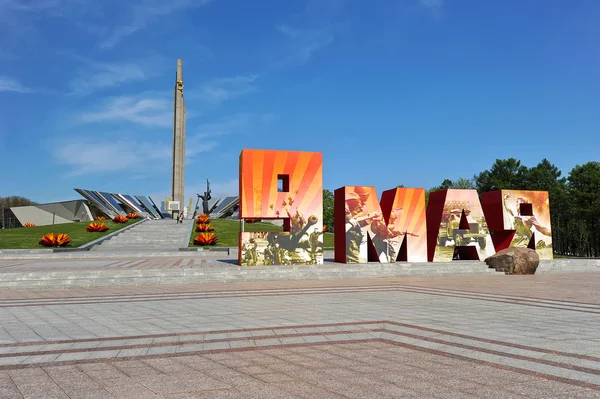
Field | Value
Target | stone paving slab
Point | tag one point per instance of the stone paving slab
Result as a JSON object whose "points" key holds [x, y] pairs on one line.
{"points": [[328, 370], [515, 336], [578, 288]]}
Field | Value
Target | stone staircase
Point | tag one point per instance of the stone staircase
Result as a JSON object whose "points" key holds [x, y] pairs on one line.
{"points": [[216, 268], [152, 235]]}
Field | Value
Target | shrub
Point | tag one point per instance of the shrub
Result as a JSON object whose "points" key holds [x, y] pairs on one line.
{"points": [[203, 219], [203, 228], [96, 227], [55, 240], [206, 239]]}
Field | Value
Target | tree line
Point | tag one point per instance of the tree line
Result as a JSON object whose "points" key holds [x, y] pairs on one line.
{"points": [[574, 199], [7, 202]]}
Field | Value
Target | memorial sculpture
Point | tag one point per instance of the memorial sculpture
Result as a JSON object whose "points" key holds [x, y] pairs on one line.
{"points": [[179, 133], [205, 198]]}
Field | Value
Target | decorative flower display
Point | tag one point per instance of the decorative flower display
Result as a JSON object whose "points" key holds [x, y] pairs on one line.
{"points": [[96, 227], [202, 228], [203, 219], [120, 219], [206, 239], [29, 224], [101, 218], [324, 229], [250, 220], [132, 215], [55, 240]]}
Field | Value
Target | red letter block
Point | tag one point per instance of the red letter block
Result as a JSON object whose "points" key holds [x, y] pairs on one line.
{"points": [[519, 218], [456, 227], [284, 185], [367, 231]]}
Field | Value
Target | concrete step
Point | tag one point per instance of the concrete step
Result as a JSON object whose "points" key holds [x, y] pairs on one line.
{"points": [[141, 241], [164, 235], [215, 271]]}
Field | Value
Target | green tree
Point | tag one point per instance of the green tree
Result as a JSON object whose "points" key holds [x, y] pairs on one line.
{"points": [[544, 176], [328, 210], [460, 183], [8, 202], [584, 194], [504, 174], [547, 177]]}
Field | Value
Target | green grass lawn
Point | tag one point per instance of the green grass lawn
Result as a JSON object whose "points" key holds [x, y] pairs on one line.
{"points": [[28, 238], [227, 231]]}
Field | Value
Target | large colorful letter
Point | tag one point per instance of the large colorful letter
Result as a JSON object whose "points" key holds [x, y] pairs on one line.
{"points": [[366, 230], [519, 218], [284, 185], [456, 227]]}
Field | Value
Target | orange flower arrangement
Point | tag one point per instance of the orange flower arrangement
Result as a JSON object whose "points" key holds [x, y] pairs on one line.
{"points": [[206, 239], [55, 240], [250, 220], [203, 219], [101, 218], [132, 215], [202, 228], [29, 224], [96, 227], [324, 229], [120, 219]]}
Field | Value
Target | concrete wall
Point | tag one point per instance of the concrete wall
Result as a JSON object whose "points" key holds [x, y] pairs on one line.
{"points": [[60, 212]]}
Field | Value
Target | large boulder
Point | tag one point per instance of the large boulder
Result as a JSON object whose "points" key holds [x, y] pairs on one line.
{"points": [[515, 260]]}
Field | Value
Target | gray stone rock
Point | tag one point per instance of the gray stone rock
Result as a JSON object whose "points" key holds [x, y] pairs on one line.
{"points": [[515, 260]]}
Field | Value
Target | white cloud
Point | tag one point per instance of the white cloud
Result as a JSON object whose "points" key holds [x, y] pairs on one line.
{"points": [[8, 84], [151, 112], [100, 75], [140, 159], [223, 89], [145, 13], [432, 3], [202, 52], [33, 7], [223, 127], [109, 20], [22, 22], [205, 135], [434, 7], [304, 42], [194, 146], [86, 157]]}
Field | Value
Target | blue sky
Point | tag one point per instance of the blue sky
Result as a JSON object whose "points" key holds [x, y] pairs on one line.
{"points": [[392, 92]]}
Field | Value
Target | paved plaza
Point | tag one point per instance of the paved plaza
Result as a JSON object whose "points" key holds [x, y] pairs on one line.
{"points": [[484, 335]]}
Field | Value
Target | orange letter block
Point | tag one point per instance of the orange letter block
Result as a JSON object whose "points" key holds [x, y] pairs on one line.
{"points": [[284, 185]]}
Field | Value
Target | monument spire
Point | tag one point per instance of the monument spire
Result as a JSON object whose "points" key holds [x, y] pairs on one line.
{"points": [[178, 140]]}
